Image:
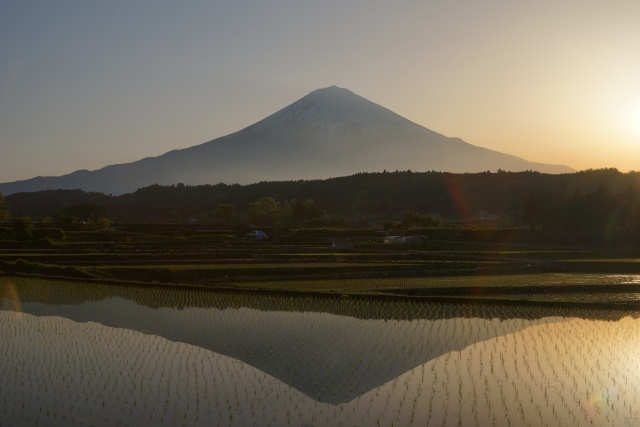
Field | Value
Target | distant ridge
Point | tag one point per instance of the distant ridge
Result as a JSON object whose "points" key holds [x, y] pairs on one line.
{"points": [[328, 133]]}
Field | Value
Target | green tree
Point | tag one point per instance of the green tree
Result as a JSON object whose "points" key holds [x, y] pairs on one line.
{"points": [[267, 211]]}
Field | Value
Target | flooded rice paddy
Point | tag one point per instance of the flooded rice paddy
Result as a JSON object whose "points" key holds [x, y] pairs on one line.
{"points": [[88, 354]]}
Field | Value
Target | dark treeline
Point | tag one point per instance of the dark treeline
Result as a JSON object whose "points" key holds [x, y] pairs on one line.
{"points": [[583, 199], [597, 209]]}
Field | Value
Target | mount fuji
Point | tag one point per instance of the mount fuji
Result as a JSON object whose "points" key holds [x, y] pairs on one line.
{"points": [[328, 133]]}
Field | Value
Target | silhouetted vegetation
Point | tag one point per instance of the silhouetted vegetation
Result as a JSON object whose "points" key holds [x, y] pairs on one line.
{"points": [[589, 199], [226, 212], [84, 212], [416, 220], [268, 211], [597, 209], [22, 227], [4, 209]]}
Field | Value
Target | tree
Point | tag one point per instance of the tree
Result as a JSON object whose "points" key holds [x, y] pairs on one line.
{"points": [[103, 224], [602, 204], [630, 215], [66, 219], [225, 212], [267, 211], [413, 219], [84, 211], [100, 224], [284, 214], [22, 227], [306, 211], [4, 210]]}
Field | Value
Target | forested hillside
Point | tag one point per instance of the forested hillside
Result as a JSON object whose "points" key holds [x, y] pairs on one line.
{"points": [[584, 199]]}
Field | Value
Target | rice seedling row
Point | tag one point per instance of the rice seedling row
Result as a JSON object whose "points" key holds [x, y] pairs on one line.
{"points": [[217, 360]]}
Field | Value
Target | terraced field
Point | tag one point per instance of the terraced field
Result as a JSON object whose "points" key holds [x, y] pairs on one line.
{"points": [[176, 255], [108, 354]]}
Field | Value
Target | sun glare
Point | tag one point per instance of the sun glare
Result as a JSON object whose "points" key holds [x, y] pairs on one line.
{"points": [[632, 118]]}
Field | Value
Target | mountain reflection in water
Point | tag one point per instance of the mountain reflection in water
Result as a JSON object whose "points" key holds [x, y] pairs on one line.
{"points": [[334, 351]]}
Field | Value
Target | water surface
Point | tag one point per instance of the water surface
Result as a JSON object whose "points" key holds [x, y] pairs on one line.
{"points": [[101, 354]]}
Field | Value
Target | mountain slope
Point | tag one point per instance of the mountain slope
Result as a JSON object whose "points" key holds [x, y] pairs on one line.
{"points": [[330, 132]]}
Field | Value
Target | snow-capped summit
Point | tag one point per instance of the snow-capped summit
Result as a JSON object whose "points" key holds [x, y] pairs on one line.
{"points": [[336, 111], [328, 133]]}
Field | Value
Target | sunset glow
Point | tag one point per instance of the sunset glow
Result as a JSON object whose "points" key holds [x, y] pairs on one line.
{"points": [[635, 122], [114, 83]]}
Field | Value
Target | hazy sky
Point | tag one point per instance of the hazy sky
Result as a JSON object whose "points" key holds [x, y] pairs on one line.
{"points": [[85, 84]]}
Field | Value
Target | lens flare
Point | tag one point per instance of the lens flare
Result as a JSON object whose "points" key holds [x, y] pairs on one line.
{"points": [[457, 197], [10, 295], [598, 400]]}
